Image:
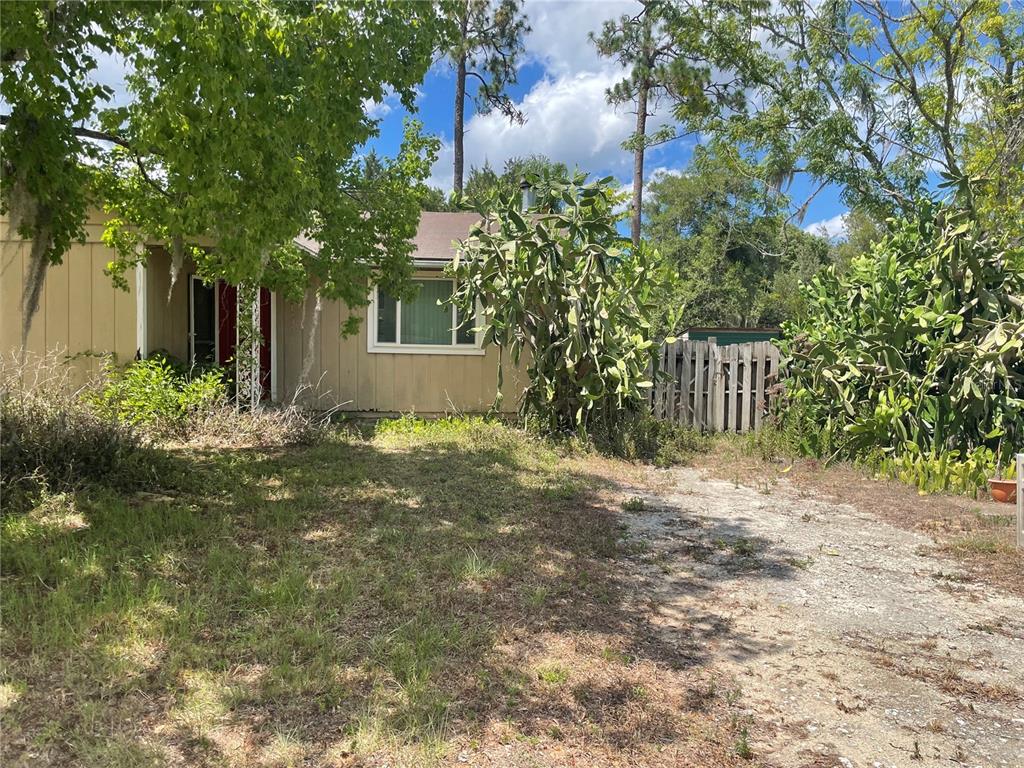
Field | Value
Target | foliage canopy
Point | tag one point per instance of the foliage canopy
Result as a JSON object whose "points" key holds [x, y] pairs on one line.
{"points": [[917, 350], [877, 97], [738, 259], [241, 123], [557, 289]]}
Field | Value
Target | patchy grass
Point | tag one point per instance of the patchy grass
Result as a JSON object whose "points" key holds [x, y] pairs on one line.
{"points": [[634, 504], [400, 598]]}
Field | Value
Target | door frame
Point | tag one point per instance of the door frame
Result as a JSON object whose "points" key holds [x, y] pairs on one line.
{"points": [[192, 280]]}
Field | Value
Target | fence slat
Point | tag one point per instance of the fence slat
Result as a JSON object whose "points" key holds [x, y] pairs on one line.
{"points": [[715, 388], [760, 353], [699, 411], [747, 353], [685, 383], [721, 389], [730, 394], [670, 406], [772, 377]]}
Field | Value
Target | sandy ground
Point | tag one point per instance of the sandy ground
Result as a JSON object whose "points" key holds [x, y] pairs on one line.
{"points": [[852, 642]]}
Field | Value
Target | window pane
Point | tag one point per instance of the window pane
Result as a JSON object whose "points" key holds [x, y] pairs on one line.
{"points": [[465, 334], [203, 342], [386, 317], [423, 321]]}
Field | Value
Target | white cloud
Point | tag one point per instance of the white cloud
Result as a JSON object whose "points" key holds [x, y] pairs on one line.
{"points": [[567, 114], [558, 37], [376, 109], [831, 228]]}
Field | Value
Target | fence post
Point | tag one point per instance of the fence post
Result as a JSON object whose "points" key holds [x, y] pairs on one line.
{"points": [[1020, 500]]}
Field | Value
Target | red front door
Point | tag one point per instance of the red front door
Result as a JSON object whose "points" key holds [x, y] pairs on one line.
{"points": [[227, 330]]}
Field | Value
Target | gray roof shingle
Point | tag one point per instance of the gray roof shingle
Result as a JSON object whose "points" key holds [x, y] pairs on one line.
{"points": [[434, 236]]}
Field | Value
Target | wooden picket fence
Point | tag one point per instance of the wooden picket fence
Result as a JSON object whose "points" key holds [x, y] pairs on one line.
{"points": [[716, 389]]}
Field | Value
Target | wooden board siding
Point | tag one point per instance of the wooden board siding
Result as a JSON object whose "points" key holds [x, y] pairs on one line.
{"points": [[166, 307], [345, 375], [81, 314]]}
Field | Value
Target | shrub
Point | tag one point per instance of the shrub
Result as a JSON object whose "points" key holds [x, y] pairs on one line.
{"points": [[557, 287], [225, 425], [913, 358], [51, 440], [152, 395]]}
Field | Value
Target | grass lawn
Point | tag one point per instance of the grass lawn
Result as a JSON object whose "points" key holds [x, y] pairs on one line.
{"points": [[434, 593]]}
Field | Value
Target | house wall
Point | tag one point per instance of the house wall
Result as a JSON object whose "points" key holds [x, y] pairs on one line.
{"points": [[166, 307], [345, 375], [82, 315], [80, 311]]}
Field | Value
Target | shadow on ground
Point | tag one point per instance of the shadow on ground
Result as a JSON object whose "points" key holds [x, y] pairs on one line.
{"points": [[406, 596]]}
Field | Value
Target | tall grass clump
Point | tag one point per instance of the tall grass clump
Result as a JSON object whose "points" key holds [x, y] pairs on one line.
{"points": [[638, 436], [52, 440]]}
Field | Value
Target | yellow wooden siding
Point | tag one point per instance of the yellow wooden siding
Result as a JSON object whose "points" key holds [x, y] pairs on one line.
{"points": [[345, 375], [166, 307], [81, 314]]}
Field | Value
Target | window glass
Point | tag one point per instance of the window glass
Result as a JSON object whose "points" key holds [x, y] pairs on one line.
{"points": [[204, 344], [465, 334], [423, 321], [387, 317]]}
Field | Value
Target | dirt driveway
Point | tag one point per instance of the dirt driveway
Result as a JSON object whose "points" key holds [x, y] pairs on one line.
{"points": [[852, 642]]}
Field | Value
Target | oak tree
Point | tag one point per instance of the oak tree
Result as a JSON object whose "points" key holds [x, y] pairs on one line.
{"points": [[239, 122]]}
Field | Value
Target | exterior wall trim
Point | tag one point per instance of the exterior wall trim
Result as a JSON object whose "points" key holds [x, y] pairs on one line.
{"points": [[141, 312], [275, 388], [373, 348]]}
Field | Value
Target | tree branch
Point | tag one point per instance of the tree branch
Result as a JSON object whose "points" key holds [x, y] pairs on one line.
{"points": [[90, 133]]}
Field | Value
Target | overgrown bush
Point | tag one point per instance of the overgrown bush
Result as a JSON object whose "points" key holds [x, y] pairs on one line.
{"points": [[51, 440], [154, 395], [560, 290], [912, 361], [225, 426]]}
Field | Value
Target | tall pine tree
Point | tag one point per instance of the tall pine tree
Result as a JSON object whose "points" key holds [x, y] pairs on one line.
{"points": [[487, 47]]}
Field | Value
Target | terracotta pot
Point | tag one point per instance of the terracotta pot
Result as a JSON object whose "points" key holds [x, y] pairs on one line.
{"points": [[1003, 490]]}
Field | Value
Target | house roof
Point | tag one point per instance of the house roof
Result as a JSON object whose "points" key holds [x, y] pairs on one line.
{"points": [[434, 235], [437, 231]]}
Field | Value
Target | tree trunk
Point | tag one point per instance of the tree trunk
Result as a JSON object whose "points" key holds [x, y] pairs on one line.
{"points": [[460, 103], [460, 106], [638, 163]]}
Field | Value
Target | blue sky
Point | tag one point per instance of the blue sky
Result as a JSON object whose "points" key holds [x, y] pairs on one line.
{"points": [[561, 90]]}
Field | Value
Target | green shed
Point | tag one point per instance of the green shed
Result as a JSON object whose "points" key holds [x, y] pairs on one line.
{"points": [[725, 336]]}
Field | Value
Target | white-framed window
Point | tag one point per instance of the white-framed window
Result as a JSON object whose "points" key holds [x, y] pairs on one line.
{"points": [[422, 325]]}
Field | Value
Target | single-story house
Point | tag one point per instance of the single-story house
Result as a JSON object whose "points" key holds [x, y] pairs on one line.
{"points": [[407, 356]]}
